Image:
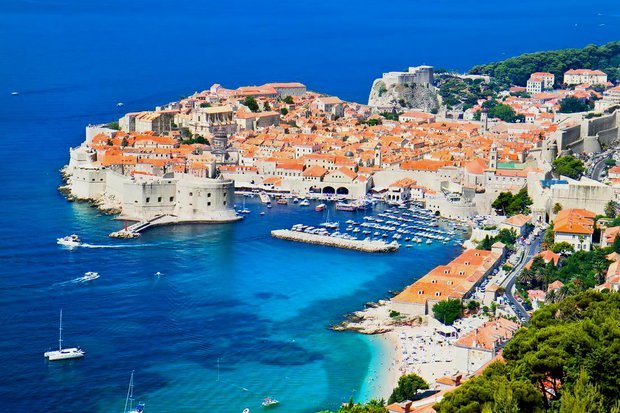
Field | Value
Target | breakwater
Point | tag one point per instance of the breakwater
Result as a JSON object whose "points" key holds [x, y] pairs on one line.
{"points": [[358, 245]]}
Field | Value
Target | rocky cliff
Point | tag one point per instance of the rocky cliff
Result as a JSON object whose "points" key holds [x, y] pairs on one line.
{"points": [[402, 97]]}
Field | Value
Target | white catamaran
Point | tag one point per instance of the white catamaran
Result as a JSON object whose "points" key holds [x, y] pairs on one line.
{"points": [[129, 400], [63, 353]]}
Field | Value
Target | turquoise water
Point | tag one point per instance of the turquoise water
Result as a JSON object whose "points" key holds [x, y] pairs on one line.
{"points": [[229, 292]]}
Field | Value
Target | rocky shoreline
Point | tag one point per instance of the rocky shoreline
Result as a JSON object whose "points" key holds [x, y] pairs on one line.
{"points": [[104, 206]]}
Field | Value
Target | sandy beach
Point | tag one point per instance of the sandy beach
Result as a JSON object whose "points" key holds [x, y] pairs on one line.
{"points": [[420, 345]]}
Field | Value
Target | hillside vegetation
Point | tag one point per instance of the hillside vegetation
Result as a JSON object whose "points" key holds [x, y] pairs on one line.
{"points": [[516, 70]]}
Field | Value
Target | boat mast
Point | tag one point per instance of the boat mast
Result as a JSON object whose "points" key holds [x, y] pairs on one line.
{"points": [[129, 399], [60, 332]]}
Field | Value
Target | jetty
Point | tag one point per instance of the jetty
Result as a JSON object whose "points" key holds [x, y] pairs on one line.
{"points": [[134, 230], [358, 245]]}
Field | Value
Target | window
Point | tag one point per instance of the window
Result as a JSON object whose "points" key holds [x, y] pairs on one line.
{"points": [[208, 194], [158, 199], [208, 203], [148, 200], [171, 198], [224, 202]]}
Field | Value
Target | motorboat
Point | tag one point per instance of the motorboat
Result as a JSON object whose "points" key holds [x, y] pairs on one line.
{"points": [[120, 104], [14, 93], [262, 213], [343, 206], [264, 198], [295, 200], [268, 401], [319, 207], [282, 201], [70, 241], [63, 353], [304, 202], [90, 276]]}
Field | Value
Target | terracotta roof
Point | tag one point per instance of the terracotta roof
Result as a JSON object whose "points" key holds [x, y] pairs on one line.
{"points": [[574, 221]]}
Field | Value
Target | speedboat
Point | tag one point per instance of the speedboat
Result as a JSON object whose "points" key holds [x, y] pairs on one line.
{"points": [[319, 207], [245, 211], [120, 104], [158, 273], [14, 93], [70, 241], [90, 275], [268, 401]]}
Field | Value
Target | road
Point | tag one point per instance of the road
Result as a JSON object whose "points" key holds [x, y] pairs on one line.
{"points": [[599, 166], [529, 253]]}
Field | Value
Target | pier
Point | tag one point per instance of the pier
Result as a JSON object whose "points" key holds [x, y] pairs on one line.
{"points": [[134, 230], [359, 245]]}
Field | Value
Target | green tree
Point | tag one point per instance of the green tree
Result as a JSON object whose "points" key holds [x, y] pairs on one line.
{"points": [[473, 305], [288, 100], [573, 105], [584, 397], [284, 111], [568, 166], [114, 125], [563, 248], [251, 103], [448, 311], [557, 208], [266, 107], [486, 243], [124, 142], [407, 388], [610, 209]]}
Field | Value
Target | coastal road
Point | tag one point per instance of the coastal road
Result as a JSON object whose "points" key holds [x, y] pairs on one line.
{"points": [[529, 253]]}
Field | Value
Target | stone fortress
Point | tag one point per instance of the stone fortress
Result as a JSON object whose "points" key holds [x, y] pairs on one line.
{"points": [[181, 196]]}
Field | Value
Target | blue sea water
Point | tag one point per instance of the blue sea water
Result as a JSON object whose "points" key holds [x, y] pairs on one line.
{"points": [[228, 292]]}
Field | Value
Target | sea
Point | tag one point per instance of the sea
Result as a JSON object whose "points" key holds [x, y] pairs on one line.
{"points": [[234, 315]]}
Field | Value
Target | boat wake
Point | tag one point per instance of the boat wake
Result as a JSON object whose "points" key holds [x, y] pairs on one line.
{"points": [[88, 277], [82, 245]]}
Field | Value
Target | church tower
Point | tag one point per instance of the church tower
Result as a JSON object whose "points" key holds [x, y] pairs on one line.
{"points": [[484, 121], [378, 155], [493, 157]]}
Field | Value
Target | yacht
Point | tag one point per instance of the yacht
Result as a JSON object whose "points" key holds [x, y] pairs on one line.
{"points": [[129, 400], [70, 241], [63, 353]]}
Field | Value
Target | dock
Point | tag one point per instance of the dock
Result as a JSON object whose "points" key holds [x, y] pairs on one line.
{"points": [[326, 240], [134, 230]]}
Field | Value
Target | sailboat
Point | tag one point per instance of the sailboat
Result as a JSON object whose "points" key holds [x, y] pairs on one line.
{"points": [[328, 224], [63, 353], [244, 210], [129, 400]]}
